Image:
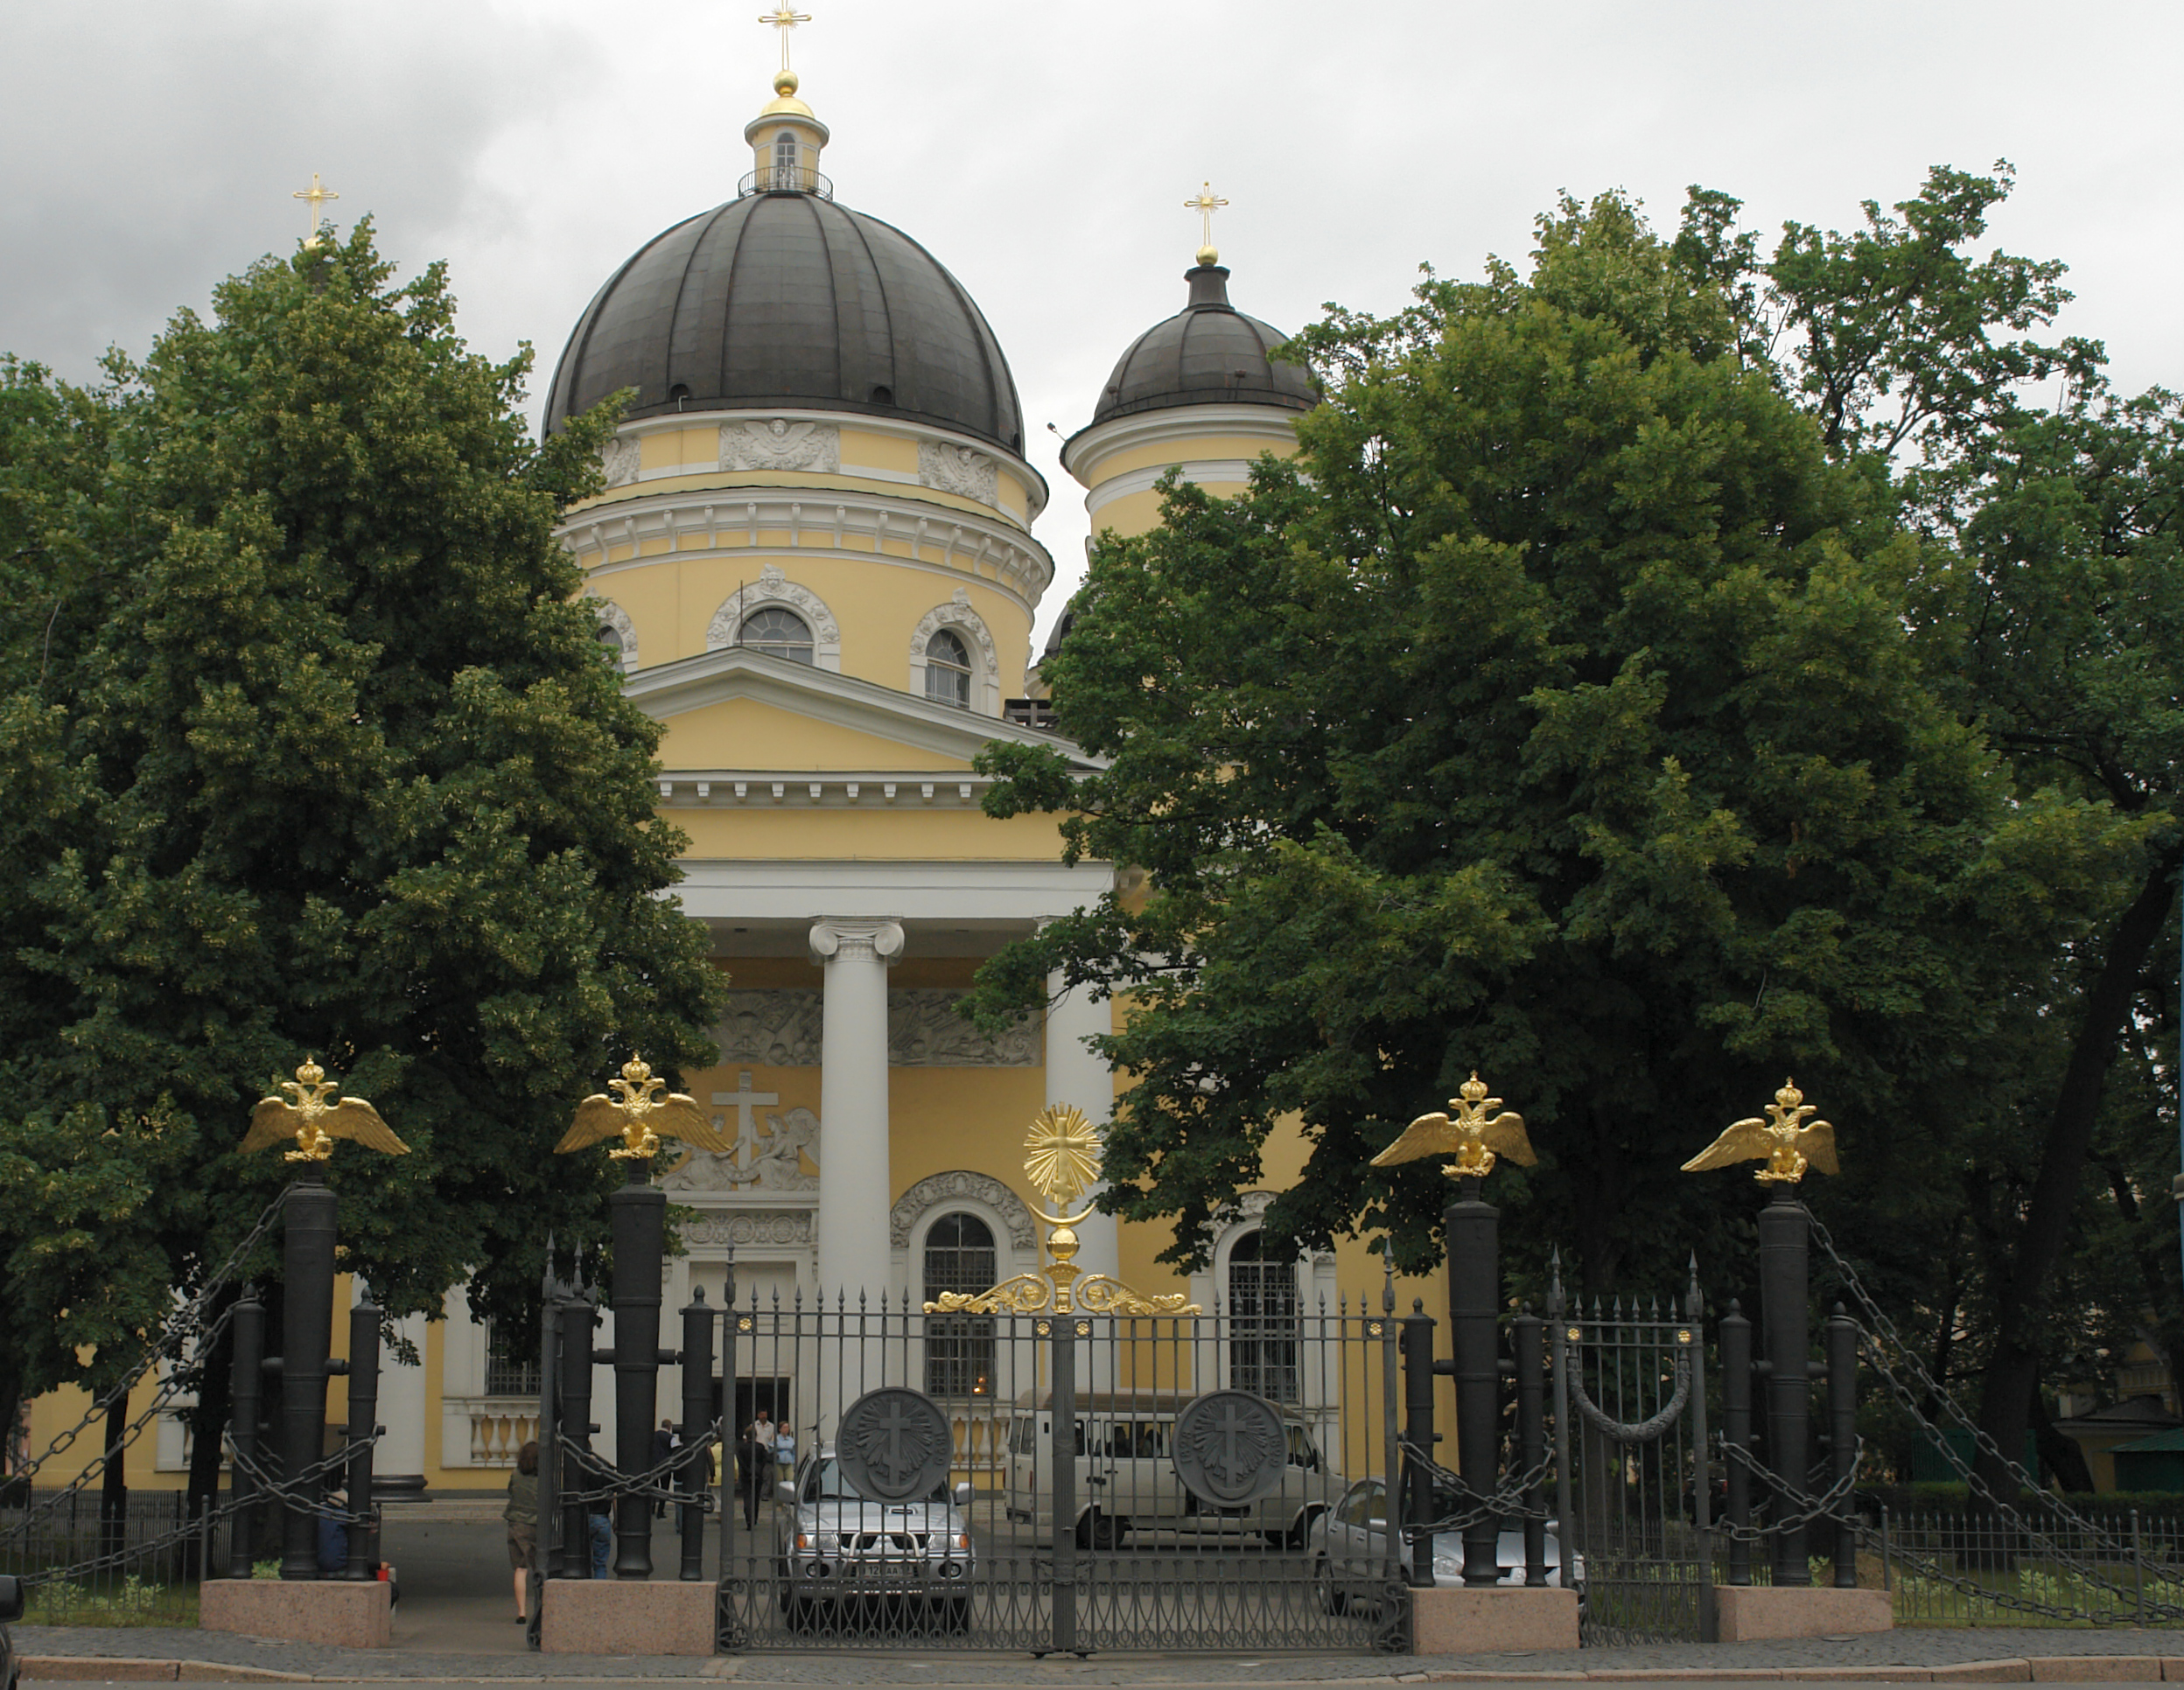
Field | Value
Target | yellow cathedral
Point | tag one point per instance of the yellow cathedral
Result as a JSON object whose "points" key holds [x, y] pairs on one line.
{"points": [[814, 557]]}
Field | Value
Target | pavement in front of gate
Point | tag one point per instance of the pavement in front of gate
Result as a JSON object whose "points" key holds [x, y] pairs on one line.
{"points": [[1972, 1655]]}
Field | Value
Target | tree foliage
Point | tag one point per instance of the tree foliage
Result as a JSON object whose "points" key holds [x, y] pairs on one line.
{"points": [[1554, 714], [310, 750]]}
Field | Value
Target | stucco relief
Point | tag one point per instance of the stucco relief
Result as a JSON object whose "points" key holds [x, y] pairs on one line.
{"points": [[774, 587], [780, 1028], [924, 1031], [775, 1028], [621, 459], [939, 1189], [958, 470], [814, 447], [741, 1226], [773, 1160], [614, 616]]}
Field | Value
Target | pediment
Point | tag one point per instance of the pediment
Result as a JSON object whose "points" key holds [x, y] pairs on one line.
{"points": [[738, 708]]}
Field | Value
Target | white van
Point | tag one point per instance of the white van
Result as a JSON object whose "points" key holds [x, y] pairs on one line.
{"points": [[1125, 1478]]}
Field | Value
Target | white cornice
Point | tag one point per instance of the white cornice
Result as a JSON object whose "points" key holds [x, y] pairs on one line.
{"points": [[1234, 472], [694, 683], [788, 890], [1178, 426], [638, 428], [986, 546]]}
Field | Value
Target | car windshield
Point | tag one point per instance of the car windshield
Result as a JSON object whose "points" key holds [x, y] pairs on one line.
{"points": [[827, 1482]]}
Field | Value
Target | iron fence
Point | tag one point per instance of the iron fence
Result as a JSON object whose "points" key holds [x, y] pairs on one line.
{"points": [[140, 1567], [1061, 1524], [1971, 1568]]}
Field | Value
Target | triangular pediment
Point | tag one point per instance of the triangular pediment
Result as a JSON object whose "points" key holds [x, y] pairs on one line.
{"points": [[736, 708]]}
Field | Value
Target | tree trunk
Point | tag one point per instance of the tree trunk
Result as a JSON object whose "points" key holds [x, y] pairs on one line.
{"points": [[208, 1420], [114, 1487], [2013, 1370]]}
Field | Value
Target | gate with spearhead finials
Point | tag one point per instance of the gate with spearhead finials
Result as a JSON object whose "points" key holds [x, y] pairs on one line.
{"points": [[1059, 1465]]}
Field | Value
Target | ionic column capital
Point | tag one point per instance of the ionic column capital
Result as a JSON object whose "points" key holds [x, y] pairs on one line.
{"points": [[838, 939]]}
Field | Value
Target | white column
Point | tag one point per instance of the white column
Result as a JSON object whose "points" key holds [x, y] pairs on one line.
{"points": [[402, 1410], [1078, 1076], [854, 1179]]}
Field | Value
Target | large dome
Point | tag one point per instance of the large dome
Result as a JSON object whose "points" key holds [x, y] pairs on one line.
{"points": [[1207, 354], [788, 299]]}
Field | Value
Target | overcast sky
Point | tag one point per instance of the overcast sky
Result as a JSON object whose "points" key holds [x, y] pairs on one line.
{"points": [[1042, 148]]}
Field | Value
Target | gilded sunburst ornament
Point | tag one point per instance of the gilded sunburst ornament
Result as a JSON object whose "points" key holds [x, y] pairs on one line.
{"points": [[1061, 1154]]}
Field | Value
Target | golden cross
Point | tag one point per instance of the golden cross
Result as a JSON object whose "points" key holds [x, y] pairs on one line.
{"points": [[1205, 202], [784, 18], [318, 195]]}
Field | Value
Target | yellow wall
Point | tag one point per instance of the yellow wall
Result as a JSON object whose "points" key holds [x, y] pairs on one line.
{"points": [[672, 603]]}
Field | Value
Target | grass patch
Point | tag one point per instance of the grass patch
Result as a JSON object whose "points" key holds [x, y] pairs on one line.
{"points": [[133, 1601]]}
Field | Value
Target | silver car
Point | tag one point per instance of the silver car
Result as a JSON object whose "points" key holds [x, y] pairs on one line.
{"points": [[844, 1560], [1349, 1552]]}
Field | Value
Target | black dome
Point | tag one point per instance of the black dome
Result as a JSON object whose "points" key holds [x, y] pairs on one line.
{"points": [[1207, 354], [789, 299]]}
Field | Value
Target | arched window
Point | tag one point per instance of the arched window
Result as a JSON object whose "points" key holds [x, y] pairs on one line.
{"points": [[1263, 1319], [778, 633], [959, 1256], [947, 668], [785, 160], [611, 637]]}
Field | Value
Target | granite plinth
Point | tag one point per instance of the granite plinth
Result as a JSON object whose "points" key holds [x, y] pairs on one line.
{"points": [[1452, 1620], [340, 1613], [628, 1617], [1750, 1612]]}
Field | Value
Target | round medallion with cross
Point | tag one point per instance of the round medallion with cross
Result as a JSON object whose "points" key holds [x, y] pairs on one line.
{"points": [[894, 1445], [1230, 1448]]}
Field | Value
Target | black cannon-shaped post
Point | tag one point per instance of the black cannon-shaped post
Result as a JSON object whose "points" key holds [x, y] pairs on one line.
{"points": [[578, 1318], [1473, 1229], [307, 1338], [245, 1382], [363, 1533], [1785, 1332], [697, 1414], [1736, 1439], [1417, 1503], [1843, 1438], [1528, 1351], [638, 1214]]}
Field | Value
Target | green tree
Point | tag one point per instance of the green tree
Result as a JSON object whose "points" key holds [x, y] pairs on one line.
{"points": [[337, 767], [2053, 598], [1553, 715]]}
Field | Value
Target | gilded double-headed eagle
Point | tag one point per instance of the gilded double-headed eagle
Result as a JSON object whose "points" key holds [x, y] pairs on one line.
{"points": [[1788, 1144], [314, 1123], [1476, 1140], [641, 1118]]}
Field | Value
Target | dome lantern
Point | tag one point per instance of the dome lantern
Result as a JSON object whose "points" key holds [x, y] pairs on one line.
{"points": [[786, 138]]}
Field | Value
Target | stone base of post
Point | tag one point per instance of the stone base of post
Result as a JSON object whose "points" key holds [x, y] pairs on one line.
{"points": [[1492, 1620], [1750, 1612], [620, 1617], [332, 1612]]}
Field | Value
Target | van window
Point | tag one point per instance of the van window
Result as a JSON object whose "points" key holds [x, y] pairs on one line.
{"points": [[1138, 1440], [1301, 1450], [1022, 1440]]}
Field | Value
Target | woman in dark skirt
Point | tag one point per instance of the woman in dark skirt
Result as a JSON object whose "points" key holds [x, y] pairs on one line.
{"points": [[521, 1514]]}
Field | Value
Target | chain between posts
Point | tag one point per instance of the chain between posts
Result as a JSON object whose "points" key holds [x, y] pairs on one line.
{"points": [[1506, 1503], [1642, 1431], [1827, 1505], [1881, 1329], [189, 1324], [653, 1483]]}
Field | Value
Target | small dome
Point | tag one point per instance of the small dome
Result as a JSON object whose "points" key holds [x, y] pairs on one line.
{"points": [[788, 299], [1207, 354]]}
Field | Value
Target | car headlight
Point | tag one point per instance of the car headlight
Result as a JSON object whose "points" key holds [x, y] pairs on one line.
{"points": [[962, 1540], [1447, 1564], [803, 1541]]}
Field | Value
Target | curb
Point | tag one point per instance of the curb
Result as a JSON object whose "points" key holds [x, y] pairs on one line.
{"points": [[2035, 1669], [122, 1669]]}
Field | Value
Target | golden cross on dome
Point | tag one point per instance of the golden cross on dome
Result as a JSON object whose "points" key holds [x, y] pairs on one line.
{"points": [[1205, 202], [318, 193], [784, 18]]}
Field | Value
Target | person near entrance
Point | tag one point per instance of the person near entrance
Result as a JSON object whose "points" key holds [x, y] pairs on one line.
{"points": [[664, 1443], [755, 1457], [521, 1514]]}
